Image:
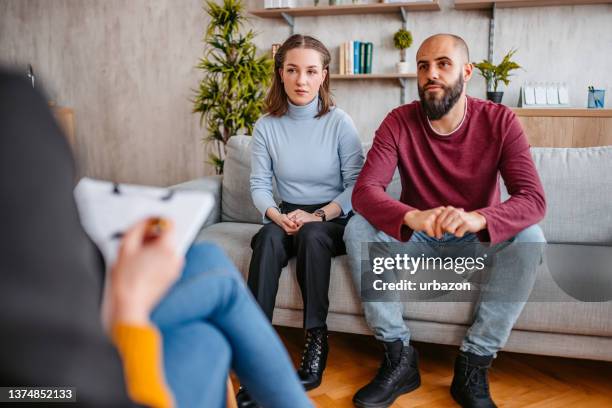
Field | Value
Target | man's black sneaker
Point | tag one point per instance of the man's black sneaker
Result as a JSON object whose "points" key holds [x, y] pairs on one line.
{"points": [[470, 387], [397, 375]]}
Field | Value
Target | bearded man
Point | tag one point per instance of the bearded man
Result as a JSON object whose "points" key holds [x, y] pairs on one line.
{"points": [[449, 149]]}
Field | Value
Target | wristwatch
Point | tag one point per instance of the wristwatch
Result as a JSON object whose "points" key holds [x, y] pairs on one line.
{"points": [[320, 213]]}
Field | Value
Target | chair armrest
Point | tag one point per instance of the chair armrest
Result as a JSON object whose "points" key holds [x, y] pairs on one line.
{"points": [[211, 184]]}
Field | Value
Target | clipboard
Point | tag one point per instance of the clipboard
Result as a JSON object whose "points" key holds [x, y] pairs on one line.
{"points": [[107, 209]]}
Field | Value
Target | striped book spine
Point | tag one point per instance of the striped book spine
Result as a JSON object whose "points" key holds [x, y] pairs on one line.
{"points": [[350, 59]]}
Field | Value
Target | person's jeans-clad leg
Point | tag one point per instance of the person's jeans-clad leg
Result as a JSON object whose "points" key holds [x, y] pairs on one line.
{"points": [[493, 320], [504, 296], [197, 357], [315, 245], [211, 291], [384, 318]]}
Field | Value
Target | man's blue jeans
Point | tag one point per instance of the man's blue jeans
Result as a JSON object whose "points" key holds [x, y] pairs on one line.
{"points": [[209, 321], [493, 319]]}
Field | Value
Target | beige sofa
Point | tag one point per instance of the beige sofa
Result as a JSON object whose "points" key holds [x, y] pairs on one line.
{"points": [[578, 184]]}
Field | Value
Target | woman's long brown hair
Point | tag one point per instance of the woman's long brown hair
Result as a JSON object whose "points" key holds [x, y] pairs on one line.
{"points": [[276, 103]]}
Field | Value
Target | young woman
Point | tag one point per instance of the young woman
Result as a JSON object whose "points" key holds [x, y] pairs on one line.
{"points": [[312, 150]]}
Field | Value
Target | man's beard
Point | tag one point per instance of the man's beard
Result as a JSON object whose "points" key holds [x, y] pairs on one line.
{"points": [[436, 108]]}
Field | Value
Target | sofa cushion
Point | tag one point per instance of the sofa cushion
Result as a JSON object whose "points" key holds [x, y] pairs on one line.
{"points": [[557, 317], [578, 187], [236, 202], [209, 184]]}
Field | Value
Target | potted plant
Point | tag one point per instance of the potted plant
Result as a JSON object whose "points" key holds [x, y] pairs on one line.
{"points": [[402, 40], [230, 96], [494, 74]]}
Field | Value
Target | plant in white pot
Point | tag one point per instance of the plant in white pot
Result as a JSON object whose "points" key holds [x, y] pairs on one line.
{"points": [[402, 40]]}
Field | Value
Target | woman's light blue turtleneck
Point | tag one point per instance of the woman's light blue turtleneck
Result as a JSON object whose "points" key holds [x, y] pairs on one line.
{"points": [[313, 160]]}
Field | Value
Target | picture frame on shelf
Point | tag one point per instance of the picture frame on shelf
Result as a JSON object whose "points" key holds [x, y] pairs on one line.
{"points": [[279, 4], [544, 95]]}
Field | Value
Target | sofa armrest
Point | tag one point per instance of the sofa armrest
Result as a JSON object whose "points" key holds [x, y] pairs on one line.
{"points": [[211, 184]]}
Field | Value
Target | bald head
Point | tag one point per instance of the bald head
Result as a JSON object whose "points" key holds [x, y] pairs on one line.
{"points": [[444, 41]]}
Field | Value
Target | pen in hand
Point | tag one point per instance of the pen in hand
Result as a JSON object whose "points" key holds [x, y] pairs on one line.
{"points": [[155, 227]]}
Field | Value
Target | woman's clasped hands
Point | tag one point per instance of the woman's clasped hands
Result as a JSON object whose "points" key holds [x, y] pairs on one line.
{"points": [[293, 221]]}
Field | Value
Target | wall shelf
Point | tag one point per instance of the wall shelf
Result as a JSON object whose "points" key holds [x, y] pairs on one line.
{"points": [[566, 127], [488, 4], [401, 78], [372, 76], [563, 112], [376, 8]]}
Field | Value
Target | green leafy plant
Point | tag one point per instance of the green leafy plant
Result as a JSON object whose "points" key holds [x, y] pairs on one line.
{"points": [[494, 74], [230, 97], [402, 40]]}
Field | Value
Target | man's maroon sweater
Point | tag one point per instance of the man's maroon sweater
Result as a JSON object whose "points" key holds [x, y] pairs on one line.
{"points": [[461, 169]]}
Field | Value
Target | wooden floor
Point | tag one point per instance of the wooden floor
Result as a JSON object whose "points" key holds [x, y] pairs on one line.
{"points": [[517, 380]]}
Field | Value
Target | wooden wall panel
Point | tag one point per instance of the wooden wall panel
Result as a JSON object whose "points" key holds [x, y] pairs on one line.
{"points": [[567, 131]]}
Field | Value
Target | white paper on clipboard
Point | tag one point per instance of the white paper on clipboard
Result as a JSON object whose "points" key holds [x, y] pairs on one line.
{"points": [[107, 209]]}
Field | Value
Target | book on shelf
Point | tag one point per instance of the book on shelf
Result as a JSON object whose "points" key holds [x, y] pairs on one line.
{"points": [[349, 58], [355, 57], [369, 51], [342, 59], [362, 60]]}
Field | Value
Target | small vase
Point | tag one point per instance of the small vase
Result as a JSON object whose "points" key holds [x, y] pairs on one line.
{"points": [[403, 67], [495, 96]]}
